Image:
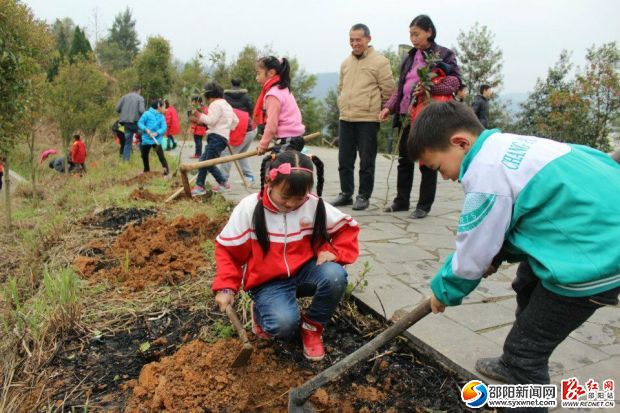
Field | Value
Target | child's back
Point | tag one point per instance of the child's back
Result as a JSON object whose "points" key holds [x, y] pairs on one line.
{"points": [[554, 203]]}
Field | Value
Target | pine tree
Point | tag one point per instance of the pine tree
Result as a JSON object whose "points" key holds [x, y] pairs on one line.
{"points": [[80, 45], [119, 49]]}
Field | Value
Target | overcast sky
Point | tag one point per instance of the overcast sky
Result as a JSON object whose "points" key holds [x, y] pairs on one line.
{"points": [[531, 33]]}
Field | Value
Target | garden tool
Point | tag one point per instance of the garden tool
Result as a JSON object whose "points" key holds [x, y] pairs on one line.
{"points": [[246, 350], [297, 397]]}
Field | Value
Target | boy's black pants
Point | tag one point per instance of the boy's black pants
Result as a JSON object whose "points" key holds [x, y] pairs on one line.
{"points": [[144, 151], [544, 320]]}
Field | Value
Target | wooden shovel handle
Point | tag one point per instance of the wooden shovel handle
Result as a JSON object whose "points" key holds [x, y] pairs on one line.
{"points": [[232, 316]]}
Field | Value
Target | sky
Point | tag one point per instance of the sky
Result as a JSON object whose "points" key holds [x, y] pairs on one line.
{"points": [[530, 33]]}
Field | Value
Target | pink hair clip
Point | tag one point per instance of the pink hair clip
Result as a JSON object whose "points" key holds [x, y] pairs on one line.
{"points": [[285, 169]]}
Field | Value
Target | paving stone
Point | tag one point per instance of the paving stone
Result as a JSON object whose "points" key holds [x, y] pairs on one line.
{"points": [[481, 316], [491, 288], [434, 241], [388, 228], [457, 343], [444, 253], [606, 316], [392, 293], [389, 253], [613, 349], [371, 234], [404, 241], [599, 371], [595, 334], [420, 227]]}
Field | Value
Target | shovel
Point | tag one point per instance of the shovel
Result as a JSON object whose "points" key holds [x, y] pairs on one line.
{"points": [[297, 397], [246, 350]]}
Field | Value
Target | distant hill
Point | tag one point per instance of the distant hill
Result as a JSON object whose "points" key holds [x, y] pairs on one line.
{"points": [[324, 82]]}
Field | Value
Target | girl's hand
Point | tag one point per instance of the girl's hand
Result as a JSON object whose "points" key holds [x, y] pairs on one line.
{"points": [[383, 115], [260, 150], [195, 116], [436, 305], [223, 300], [419, 89], [325, 256]]}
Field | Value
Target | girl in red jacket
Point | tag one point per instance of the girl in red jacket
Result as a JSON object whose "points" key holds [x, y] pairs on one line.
{"points": [[78, 154], [286, 242], [196, 129]]}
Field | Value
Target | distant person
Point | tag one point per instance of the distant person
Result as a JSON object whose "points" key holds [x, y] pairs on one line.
{"points": [[365, 83], [481, 105], [2, 160], [172, 124], [461, 94], [555, 207], [119, 134], [196, 130], [276, 108], [152, 124], [78, 154], [407, 102], [130, 107], [241, 100], [220, 120]]}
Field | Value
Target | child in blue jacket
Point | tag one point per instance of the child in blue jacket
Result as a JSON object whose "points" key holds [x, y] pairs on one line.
{"points": [[555, 207], [152, 124]]}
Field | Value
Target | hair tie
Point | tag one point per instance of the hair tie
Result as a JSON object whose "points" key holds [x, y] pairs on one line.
{"points": [[285, 169]]}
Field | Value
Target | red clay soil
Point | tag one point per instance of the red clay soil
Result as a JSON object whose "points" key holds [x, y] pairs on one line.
{"points": [[140, 194], [197, 378], [142, 178], [155, 252]]}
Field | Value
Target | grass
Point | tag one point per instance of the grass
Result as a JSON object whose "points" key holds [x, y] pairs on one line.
{"points": [[42, 298]]}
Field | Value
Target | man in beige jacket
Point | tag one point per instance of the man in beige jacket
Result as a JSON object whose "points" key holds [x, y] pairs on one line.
{"points": [[364, 85]]}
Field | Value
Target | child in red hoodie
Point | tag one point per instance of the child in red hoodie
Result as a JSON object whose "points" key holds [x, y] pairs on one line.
{"points": [[286, 242], [78, 154]]}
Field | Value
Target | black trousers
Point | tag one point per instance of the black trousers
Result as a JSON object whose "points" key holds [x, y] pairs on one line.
{"points": [[404, 178], [544, 320], [357, 137], [144, 151]]}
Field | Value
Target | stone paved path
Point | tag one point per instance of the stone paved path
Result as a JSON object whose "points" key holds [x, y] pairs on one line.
{"points": [[401, 255]]}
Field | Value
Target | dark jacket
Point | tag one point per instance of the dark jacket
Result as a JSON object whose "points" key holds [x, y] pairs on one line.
{"points": [[130, 107], [447, 56], [481, 109], [240, 99]]}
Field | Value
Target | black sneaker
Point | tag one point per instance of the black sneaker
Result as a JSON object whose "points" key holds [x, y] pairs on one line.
{"points": [[342, 200], [418, 214], [395, 208], [494, 368], [360, 203]]}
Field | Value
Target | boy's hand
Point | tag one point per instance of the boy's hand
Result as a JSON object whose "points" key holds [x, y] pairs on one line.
{"points": [[223, 300], [436, 305], [325, 256]]}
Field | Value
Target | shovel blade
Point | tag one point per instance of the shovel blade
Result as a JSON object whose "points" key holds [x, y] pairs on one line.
{"points": [[295, 407], [244, 356]]}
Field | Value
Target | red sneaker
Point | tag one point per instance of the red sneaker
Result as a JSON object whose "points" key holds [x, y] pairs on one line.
{"points": [[256, 329], [311, 333]]}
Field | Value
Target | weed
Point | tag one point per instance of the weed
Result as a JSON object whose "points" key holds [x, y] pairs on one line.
{"points": [[360, 282], [222, 330]]}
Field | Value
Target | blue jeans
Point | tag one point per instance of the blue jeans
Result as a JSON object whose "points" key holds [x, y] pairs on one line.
{"points": [[130, 129], [215, 145], [275, 303], [198, 145]]}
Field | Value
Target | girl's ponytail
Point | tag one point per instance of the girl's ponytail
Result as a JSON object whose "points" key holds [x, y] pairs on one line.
{"points": [[258, 217], [319, 232], [285, 74]]}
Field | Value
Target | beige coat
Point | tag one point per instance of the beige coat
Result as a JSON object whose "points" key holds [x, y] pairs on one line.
{"points": [[364, 85]]}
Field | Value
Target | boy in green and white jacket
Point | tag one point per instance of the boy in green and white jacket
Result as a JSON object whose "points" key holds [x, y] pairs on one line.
{"points": [[553, 206]]}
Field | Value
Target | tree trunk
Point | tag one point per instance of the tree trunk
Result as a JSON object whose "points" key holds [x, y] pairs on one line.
{"points": [[33, 165], [7, 193]]}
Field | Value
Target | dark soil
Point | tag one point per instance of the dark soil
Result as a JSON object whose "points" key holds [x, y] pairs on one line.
{"points": [[180, 373], [116, 218]]}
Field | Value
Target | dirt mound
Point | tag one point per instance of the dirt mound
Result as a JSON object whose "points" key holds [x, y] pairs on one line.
{"points": [[198, 378], [142, 178], [141, 194], [155, 252], [116, 218]]}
